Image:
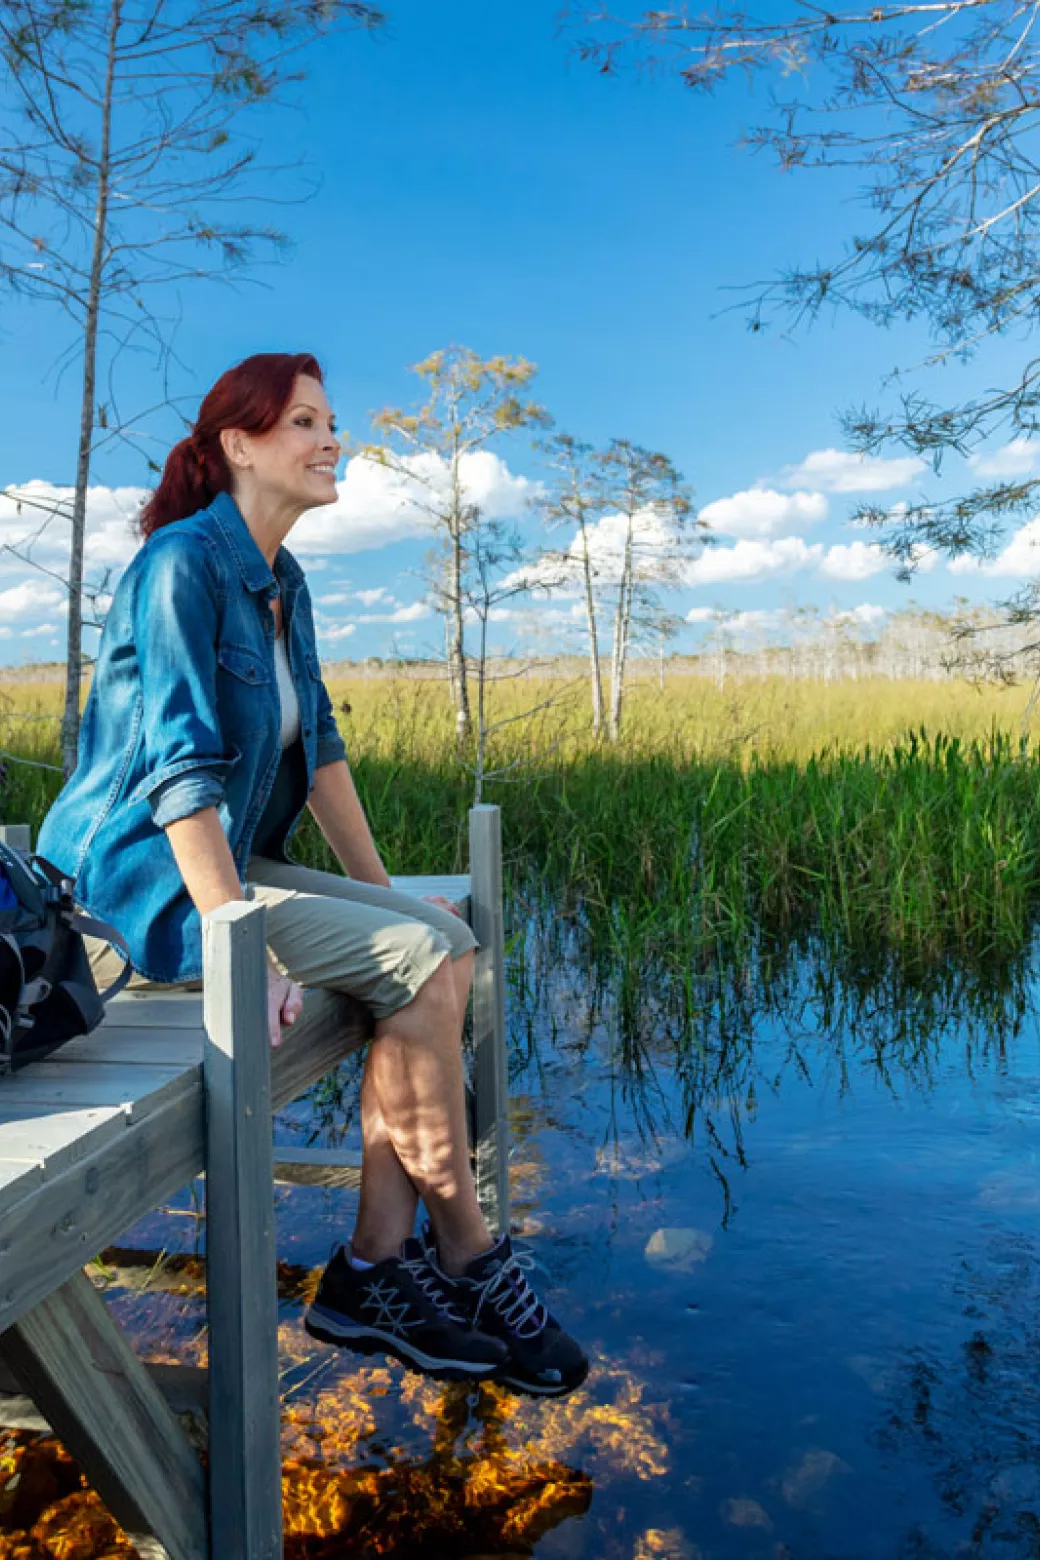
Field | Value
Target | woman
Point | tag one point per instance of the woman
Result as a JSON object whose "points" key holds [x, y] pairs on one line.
{"points": [[207, 730]]}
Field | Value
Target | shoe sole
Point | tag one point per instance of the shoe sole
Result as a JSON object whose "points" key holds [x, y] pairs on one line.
{"points": [[369, 1340], [531, 1389]]}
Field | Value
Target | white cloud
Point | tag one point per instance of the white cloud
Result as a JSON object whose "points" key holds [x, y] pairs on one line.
{"points": [[868, 614], [369, 598], [412, 613], [28, 599], [38, 512], [337, 598], [1020, 558], [343, 631], [749, 561], [1015, 459], [761, 511], [655, 546], [855, 561], [753, 622], [705, 615], [840, 471], [377, 506]]}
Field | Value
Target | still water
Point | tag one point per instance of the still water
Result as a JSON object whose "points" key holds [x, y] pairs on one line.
{"points": [[799, 1231]]}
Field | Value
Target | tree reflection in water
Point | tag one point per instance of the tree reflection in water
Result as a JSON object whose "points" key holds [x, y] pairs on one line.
{"points": [[667, 1010]]}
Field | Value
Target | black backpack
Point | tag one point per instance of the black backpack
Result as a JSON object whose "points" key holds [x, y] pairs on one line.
{"points": [[47, 991]]}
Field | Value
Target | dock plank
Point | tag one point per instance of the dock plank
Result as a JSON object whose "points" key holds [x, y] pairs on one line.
{"points": [[138, 1089], [154, 1010], [180, 1047], [49, 1234], [18, 1177], [452, 886], [59, 1138], [337, 1167]]}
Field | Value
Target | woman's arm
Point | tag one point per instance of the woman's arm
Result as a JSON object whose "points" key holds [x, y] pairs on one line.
{"points": [[340, 817], [203, 856]]}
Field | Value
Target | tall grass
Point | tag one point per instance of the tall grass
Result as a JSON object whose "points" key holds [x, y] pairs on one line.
{"points": [[868, 816]]}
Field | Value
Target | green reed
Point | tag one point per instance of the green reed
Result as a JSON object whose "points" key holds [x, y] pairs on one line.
{"points": [[679, 848]]}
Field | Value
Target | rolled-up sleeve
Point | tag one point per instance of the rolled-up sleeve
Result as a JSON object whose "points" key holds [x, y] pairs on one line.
{"points": [[176, 617]]}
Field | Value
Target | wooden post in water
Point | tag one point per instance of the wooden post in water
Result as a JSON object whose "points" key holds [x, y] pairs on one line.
{"points": [[490, 1060], [245, 1467]]}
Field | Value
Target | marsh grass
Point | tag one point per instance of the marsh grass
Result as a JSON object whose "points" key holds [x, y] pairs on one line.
{"points": [[863, 816]]}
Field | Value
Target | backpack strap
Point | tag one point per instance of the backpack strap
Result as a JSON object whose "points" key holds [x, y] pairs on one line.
{"points": [[90, 926], [86, 925]]}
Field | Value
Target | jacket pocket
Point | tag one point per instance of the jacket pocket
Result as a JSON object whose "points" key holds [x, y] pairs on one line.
{"points": [[244, 664]]}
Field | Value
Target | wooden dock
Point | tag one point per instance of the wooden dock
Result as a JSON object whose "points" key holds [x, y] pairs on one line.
{"points": [[174, 1086]]}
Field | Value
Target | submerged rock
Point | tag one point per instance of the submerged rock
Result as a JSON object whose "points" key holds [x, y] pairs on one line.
{"points": [[808, 1478], [745, 1513], [680, 1248]]}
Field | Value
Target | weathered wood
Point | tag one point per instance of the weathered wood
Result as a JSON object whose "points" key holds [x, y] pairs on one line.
{"points": [[490, 1055], [454, 887], [18, 1177], [330, 1027], [185, 1389], [317, 1166], [17, 835], [73, 1360], [56, 1139], [245, 1450], [139, 1089], [154, 1010], [49, 1234], [138, 1046]]}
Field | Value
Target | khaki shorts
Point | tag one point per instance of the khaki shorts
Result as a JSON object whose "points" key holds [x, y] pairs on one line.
{"points": [[335, 934]]}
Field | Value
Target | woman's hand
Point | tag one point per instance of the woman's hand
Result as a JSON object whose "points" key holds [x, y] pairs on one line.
{"points": [[284, 1003], [445, 904]]}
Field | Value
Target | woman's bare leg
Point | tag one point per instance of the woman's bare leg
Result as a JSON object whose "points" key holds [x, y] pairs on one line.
{"points": [[386, 1215], [386, 1211], [415, 1068]]}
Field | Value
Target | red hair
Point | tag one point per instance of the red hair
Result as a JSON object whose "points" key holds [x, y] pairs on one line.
{"points": [[251, 396]]}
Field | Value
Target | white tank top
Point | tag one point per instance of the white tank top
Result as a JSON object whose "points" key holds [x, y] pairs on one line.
{"points": [[286, 694]]}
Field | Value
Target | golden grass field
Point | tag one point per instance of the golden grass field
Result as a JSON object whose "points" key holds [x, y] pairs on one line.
{"points": [[775, 718]]}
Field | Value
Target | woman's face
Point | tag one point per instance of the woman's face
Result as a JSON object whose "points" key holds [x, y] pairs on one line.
{"points": [[295, 461]]}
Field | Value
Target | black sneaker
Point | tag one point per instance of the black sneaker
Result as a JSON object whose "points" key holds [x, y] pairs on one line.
{"points": [[494, 1294], [401, 1306]]}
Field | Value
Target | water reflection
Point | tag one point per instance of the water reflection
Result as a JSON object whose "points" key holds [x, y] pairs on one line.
{"points": [[792, 1204]]}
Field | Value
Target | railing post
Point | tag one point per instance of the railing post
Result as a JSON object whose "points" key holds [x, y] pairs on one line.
{"points": [[242, 1299], [17, 835], [490, 1061]]}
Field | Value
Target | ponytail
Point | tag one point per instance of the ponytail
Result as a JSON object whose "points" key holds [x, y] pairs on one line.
{"points": [[251, 396]]}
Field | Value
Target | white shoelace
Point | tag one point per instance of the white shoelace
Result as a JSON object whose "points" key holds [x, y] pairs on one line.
{"points": [[507, 1290], [428, 1281]]}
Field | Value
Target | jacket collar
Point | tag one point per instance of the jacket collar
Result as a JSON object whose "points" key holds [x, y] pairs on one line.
{"points": [[256, 573]]}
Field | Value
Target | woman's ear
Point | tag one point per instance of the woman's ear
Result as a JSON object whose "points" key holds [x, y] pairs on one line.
{"points": [[235, 445]]}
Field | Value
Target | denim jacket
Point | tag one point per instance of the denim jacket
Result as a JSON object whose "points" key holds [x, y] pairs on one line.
{"points": [[183, 714]]}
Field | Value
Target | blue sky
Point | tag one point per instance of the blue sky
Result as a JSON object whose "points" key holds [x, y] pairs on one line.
{"points": [[479, 185]]}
